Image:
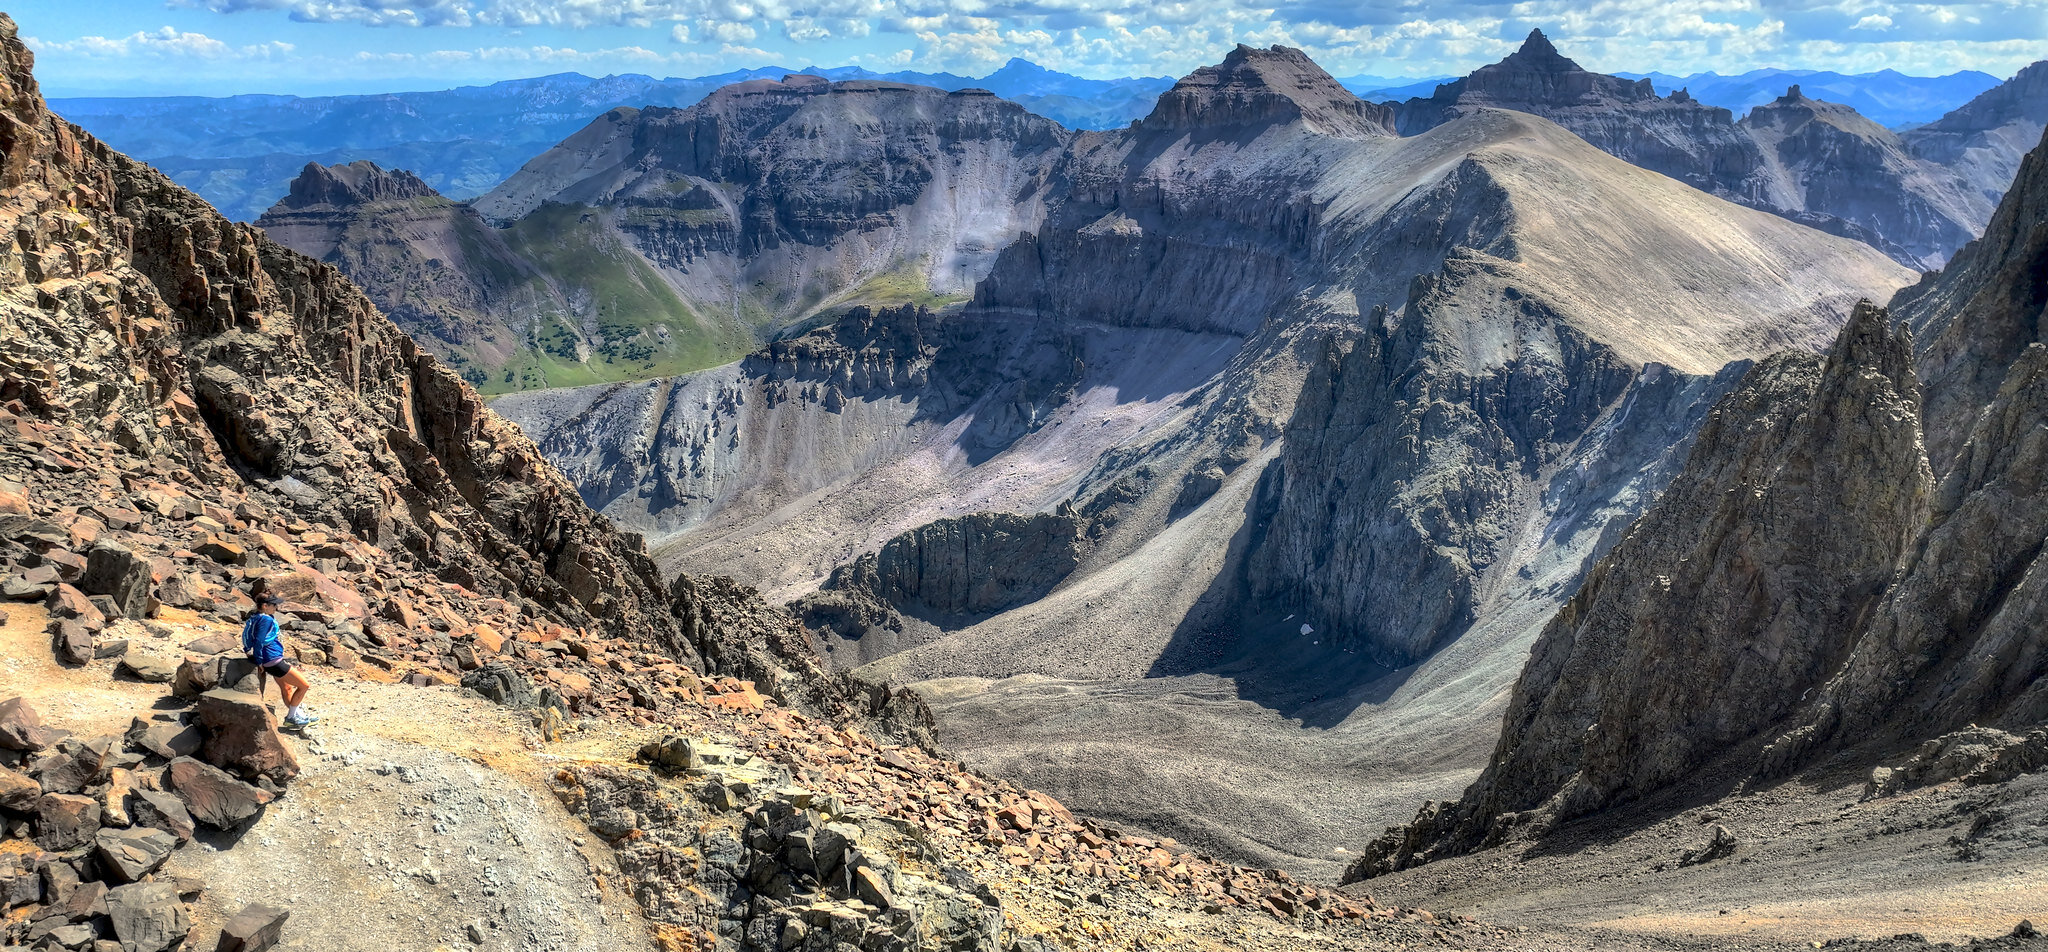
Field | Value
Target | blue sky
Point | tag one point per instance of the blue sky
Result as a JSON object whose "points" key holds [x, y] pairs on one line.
{"points": [[213, 47]]}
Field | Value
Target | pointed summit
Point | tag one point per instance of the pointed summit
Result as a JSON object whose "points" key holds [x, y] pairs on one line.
{"points": [[1537, 54], [1264, 87]]}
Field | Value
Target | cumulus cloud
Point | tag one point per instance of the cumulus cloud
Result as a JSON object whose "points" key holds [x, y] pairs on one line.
{"points": [[1384, 37], [164, 42]]}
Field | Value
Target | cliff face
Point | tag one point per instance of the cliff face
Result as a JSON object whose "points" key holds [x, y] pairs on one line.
{"points": [[1254, 88], [1816, 163], [1985, 138], [1820, 577], [136, 315], [808, 192]]}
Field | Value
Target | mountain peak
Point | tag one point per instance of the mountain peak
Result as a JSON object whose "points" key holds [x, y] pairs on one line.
{"points": [[1257, 87], [1537, 53], [356, 183]]}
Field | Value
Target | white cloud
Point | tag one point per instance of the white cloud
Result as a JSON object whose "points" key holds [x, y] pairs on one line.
{"points": [[165, 42], [1127, 37]]}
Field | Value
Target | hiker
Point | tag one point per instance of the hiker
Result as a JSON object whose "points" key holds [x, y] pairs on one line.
{"points": [[260, 642]]}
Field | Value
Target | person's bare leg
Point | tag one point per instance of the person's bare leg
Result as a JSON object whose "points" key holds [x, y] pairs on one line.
{"points": [[293, 686]]}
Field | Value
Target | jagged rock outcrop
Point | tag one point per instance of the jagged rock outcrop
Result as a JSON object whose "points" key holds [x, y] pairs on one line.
{"points": [[1822, 577], [1820, 164], [1254, 88], [220, 363]]}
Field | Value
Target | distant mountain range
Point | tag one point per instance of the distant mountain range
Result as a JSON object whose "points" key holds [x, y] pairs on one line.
{"points": [[241, 152]]}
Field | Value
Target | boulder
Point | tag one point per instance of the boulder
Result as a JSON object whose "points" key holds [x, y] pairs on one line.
{"points": [[84, 901], [21, 728], [148, 917], [239, 736], [73, 642], [166, 739], [256, 928], [29, 530], [221, 550], [231, 672], [110, 648], [161, 811], [215, 644], [66, 821], [111, 569], [300, 585], [143, 666], [211, 795], [19, 888], [129, 855], [502, 684], [18, 791], [68, 602]]}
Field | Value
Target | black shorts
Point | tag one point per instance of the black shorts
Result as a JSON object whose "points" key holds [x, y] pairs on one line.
{"points": [[279, 668]]}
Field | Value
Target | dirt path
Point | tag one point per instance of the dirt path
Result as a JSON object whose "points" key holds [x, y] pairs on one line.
{"points": [[420, 812]]}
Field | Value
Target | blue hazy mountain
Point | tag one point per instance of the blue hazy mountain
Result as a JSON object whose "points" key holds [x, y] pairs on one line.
{"points": [[241, 152], [1887, 97]]}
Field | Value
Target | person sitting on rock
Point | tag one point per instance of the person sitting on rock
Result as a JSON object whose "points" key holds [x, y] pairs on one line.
{"points": [[266, 650]]}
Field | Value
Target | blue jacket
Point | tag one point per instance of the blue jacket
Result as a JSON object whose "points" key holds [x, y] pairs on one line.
{"points": [[259, 640]]}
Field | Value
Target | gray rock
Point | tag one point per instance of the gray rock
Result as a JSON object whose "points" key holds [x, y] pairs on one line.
{"points": [[116, 572], [256, 928], [148, 917], [212, 796], [143, 666], [163, 811], [129, 855]]}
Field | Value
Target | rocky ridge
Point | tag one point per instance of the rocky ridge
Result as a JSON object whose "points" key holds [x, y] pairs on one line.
{"points": [[1817, 163], [1986, 138], [1744, 633]]}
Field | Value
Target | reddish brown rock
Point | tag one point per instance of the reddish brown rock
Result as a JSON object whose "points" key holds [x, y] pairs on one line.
{"points": [[18, 791], [240, 737], [21, 728], [211, 795], [66, 821], [69, 602]]}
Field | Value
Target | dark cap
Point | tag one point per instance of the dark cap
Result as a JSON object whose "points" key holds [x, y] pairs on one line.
{"points": [[270, 600]]}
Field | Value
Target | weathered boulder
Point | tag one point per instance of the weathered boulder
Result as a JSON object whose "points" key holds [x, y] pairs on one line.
{"points": [[256, 928], [18, 791], [68, 602], [113, 570], [129, 855], [163, 811], [148, 917], [73, 642], [503, 684], [240, 736], [166, 739], [21, 728], [143, 666], [211, 795], [66, 821], [300, 585], [196, 676]]}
